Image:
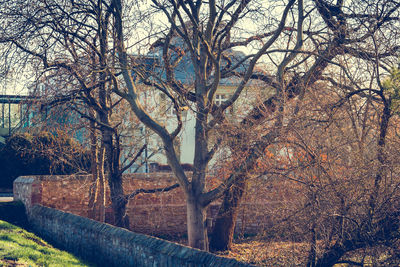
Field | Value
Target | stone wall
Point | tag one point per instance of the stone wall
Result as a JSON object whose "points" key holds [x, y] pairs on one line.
{"points": [[29, 190], [112, 246], [160, 214]]}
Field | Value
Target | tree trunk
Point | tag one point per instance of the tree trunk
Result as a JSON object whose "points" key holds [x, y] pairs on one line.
{"points": [[337, 251], [331, 257], [101, 188], [312, 255], [91, 206], [112, 171], [222, 235], [118, 201], [94, 171], [196, 219], [313, 246]]}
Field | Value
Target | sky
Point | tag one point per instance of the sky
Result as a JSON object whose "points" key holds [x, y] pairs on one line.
{"points": [[16, 85]]}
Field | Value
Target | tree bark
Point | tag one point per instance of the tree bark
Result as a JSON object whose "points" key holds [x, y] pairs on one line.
{"points": [[94, 170], [118, 202], [313, 245], [196, 219], [331, 257], [312, 255], [101, 188], [222, 234]]}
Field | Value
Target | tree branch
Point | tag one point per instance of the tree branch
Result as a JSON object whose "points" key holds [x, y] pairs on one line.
{"points": [[151, 191]]}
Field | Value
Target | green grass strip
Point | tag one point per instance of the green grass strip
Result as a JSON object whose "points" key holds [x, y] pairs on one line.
{"points": [[21, 248]]}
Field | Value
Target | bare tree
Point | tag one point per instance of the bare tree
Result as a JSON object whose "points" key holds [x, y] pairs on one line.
{"points": [[69, 43], [332, 32], [311, 41], [345, 30], [205, 29]]}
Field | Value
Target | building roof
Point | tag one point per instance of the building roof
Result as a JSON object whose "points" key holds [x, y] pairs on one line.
{"points": [[184, 70]]}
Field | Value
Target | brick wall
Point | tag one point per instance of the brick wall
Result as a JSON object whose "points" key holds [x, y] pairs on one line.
{"points": [[112, 246], [156, 214]]}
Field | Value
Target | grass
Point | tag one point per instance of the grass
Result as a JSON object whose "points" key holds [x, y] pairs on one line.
{"points": [[21, 248]]}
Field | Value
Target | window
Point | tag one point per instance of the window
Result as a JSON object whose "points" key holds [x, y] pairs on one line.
{"points": [[171, 111], [220, 98], [177, 146], [167, 107]]}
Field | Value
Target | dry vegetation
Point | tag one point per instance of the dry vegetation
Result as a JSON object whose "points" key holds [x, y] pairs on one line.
{"points": [[265, 253]]}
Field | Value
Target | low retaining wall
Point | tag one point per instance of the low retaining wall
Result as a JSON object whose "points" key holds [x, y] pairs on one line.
{"points": [[112, 246]]}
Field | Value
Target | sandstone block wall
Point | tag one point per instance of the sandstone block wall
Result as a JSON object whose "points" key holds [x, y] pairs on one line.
{"points": [[29, 190], [113, 246]]}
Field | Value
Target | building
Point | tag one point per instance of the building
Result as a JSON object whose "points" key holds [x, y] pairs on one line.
{"points": [[14, 114], [153, 158], [20, 113], [162, 109]]}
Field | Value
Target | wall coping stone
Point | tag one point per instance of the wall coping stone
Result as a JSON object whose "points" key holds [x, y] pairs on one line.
{"points": [[136, 176], [25, 179], [53, 177]]}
